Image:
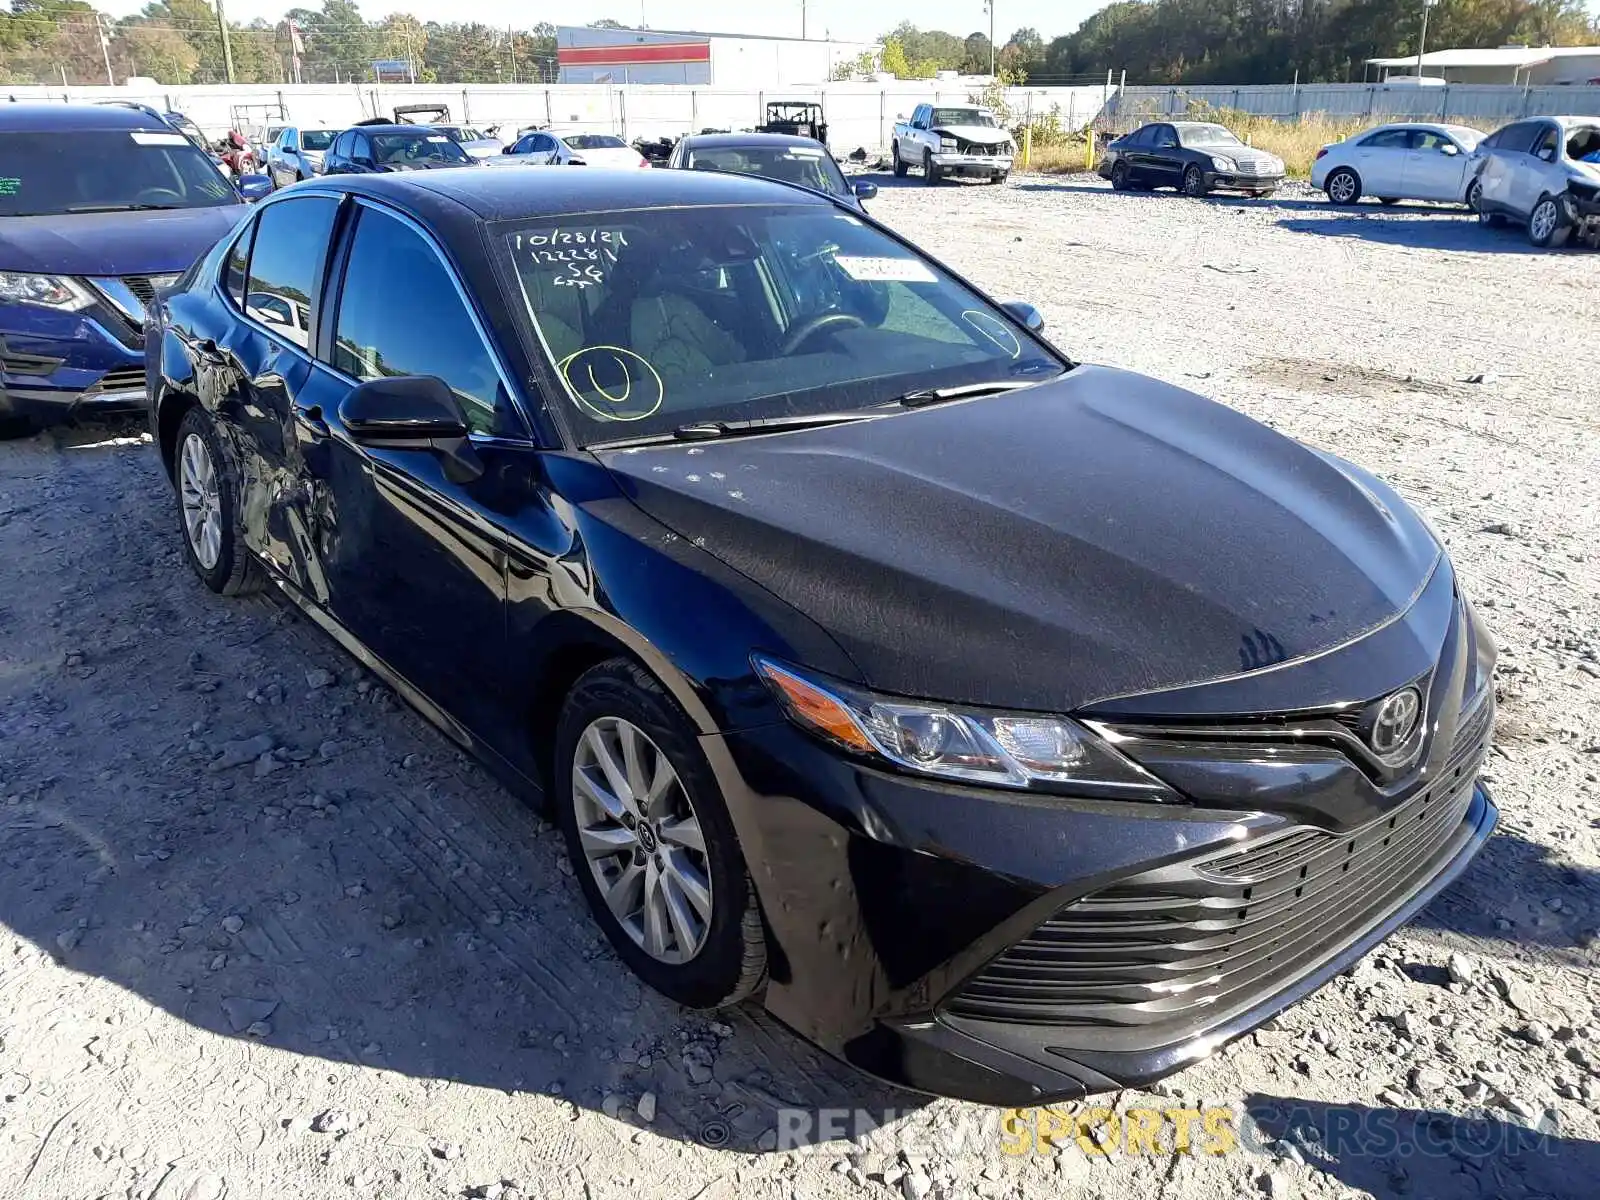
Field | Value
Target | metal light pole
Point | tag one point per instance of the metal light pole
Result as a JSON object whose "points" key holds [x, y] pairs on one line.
{"points": [[1422, 41], [105, 46], [227, 47], [989, 4]]}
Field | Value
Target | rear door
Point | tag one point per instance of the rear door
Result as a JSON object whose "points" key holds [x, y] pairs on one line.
{"points": [[274, 271], [1380, 160], [1165, 157], [408, 559], [1435, 167]]}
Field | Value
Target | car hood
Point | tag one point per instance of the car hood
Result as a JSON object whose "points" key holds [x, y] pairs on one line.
{"points": [[1245, 156], [982, 134], [1096, 536], [1588, 172], [114, 243]]}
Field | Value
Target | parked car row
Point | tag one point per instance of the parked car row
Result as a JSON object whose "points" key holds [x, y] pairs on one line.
{"points": [[1011, 727]]}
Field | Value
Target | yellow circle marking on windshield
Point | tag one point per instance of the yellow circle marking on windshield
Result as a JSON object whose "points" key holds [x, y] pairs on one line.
{"points": [[994, 329], [589, 357]]}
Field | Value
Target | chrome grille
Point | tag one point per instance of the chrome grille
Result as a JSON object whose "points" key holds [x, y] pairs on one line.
{"points": [[1157, 955]]}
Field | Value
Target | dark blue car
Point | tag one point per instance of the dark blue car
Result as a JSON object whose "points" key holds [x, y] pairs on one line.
{"points": [[99, 206]]}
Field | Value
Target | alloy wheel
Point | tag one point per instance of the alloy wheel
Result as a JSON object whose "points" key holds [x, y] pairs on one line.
{"points": [[1475, 196], [1194, 184], [1342, 187], [1542, 224], [202, 502], [642, 840]]}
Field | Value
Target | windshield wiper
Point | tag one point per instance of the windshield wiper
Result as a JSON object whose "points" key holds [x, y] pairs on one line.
{"points": [[923, 396], [94, 208], [705, 431]]}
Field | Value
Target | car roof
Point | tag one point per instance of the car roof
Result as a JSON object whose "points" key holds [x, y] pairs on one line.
{"points": [[68, 117], [393, 127], [713, 141], [448, 197]]}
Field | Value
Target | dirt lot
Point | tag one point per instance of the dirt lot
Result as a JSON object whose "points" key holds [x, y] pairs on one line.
{"points": [[264, 934]]}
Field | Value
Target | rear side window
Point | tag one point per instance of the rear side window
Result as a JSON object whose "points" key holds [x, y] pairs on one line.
{"points": [[286, 258], [1388, 139], [429, 333], [237, 269]]}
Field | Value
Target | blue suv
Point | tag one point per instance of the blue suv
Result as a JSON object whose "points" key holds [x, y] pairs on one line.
{"points": [[99, 207]]}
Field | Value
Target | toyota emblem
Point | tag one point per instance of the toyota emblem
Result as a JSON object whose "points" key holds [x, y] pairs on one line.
{"points": [[1396, 720]]}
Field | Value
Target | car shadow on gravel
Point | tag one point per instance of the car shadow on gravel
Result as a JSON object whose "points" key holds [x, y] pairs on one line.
{"points": [[1395, 1153], [1038, 183], [1441, 229]]}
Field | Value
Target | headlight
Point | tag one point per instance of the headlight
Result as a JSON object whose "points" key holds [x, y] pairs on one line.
{"points": [[49, 291], [1224, 164], [1000, 749], [947, 143]]}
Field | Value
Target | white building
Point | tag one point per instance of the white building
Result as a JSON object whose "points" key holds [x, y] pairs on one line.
{"points": [[723, 60], [1534, 66]]}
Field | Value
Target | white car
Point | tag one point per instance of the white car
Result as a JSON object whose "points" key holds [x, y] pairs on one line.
{"points": [[1409, 160], [1544, 172], [569, 147], [473, 140]]}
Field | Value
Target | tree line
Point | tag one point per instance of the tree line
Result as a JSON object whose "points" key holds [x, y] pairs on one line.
{"points": [[1154, 41]]}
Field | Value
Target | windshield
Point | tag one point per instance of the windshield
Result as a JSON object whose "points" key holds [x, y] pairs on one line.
{"points": [[962, 116], [415, 147], [82, 170], [316, 139], [663, 317], [1206, 135], [594, 141], [792, 164]]}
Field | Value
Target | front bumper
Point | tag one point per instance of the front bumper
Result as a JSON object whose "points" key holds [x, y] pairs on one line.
{"points": [[1233, 181], [973, 164], [57, 366]]}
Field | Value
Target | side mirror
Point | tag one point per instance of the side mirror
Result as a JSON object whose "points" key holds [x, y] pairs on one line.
{"points": [[1031, 318], [864, 190], [255, 187], [1449, 148], [899, 116], [412, 412]]}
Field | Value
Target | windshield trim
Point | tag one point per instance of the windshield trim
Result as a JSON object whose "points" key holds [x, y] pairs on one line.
{"points": [[556, 402]]}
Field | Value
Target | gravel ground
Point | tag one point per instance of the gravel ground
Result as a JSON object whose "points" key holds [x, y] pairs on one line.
{"points": [[264, 934]]}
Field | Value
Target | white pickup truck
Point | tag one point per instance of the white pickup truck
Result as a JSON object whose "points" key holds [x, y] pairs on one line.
{"points": [[951, 140]]}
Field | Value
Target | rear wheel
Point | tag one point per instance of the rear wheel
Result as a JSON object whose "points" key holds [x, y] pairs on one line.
{"points": [[930, 173], [209, 512], [651, 841], [16, 427], [1120, 175], [1343, 186], [1547, 224], [896, 161], [1194, 182]]}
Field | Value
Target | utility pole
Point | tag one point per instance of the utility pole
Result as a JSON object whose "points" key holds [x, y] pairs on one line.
{"points": [[105, 46], [227, 46], [989, 4], [1423, 40], [802, 20], [511, 45]]}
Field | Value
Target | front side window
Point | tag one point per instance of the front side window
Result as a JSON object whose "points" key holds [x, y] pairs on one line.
{"points": [[397, 149], [286, 259], [793, 164], [429, 334], [1548, 143], [661, 317], [48, 173], [1166, 138]]}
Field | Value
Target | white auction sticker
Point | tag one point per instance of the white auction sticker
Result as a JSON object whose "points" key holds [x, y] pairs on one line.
{"points": [[438, 137], [885, 270], [145, 138]]}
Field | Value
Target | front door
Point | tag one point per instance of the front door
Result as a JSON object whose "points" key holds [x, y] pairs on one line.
{"points": [[1434, 168], [409, 554], [1166, 157]]}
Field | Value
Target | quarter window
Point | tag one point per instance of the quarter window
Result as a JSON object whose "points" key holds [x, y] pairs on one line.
{"points": [[237, 268], [286, 259], [429, 333]]}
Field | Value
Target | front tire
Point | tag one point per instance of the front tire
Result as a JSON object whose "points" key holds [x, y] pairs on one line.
{"points": [[651, 841], [930, 173], [1194, 182], [1474, 196], [1343, 186], [1546, 227], [209, 512], [896, 161]]}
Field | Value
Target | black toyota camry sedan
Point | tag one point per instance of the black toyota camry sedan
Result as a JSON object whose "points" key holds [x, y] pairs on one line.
{"points": [[1012, 728]]}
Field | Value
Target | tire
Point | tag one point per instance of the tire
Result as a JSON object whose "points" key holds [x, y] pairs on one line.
{"points": [[1474, 196], [15, 428], [729, 956], [1120, 175], [998, 177], [896, 161], [1388, 199], [233, 570], [930, 173], [1343, 186], [1194, 181], [1546, 227], [1489, 220]]}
